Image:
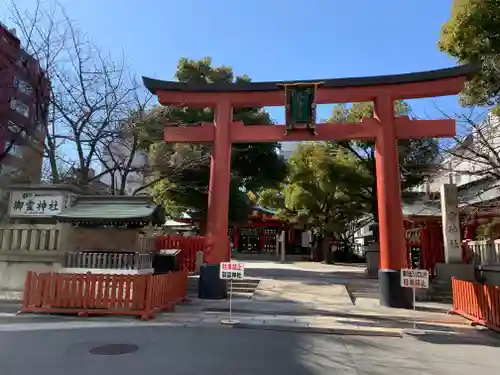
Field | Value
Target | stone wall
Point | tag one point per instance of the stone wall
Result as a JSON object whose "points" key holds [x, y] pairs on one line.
{"points": [[114, 239], [24, 248], [14, 267], [43, 248]]}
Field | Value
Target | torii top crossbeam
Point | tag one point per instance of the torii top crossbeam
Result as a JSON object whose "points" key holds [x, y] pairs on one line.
{"points": [[341, 90], [431, 83], [384, 128]]}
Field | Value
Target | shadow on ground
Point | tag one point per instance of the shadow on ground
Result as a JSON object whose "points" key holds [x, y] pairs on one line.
{"points": [[311, 277], [197, 351], [480, 337]]}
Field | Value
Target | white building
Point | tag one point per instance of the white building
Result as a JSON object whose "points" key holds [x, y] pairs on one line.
{"points": [[288, 148], [116, 160], [467, 164]]}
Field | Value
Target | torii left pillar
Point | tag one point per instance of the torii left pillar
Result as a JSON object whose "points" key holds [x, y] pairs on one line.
{"points": [[217, 240]]}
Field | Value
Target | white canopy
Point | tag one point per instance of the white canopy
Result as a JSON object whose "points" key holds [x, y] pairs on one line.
{"points": [[173, 223]]}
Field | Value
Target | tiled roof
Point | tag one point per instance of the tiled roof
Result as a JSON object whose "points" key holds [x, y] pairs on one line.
{"points": [[109, 208], [264, 210]]}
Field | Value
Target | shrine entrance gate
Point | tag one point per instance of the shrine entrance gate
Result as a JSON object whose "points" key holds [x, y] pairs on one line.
{"points": [[384, 128]]}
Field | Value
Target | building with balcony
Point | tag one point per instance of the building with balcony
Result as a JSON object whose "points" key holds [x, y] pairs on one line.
{"points": [[24, 96], [473, 165]]}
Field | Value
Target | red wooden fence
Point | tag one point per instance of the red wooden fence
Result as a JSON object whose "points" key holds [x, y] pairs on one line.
{"points": [[188, 246], [477, 302], [85, 294]]}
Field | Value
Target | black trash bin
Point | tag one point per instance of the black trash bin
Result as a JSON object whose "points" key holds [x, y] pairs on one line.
{"points": [[166, 261], [210, 286]]}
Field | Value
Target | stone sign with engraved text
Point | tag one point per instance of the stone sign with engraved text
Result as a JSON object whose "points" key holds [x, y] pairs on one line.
{"points": [[451, 223], [25, 204]]}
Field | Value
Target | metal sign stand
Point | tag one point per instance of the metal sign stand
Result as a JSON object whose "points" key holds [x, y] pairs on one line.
{"points": [[230, 321], [414, 331]]}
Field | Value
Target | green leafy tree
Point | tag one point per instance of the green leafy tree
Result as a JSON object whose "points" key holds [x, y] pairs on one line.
{"points": [[254, 166], [472, 34], [416, 156], [318, 191]]}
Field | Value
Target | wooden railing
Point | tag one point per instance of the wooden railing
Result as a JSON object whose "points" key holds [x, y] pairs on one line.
{"points": [[484, 252], [188, 246], [478, 302], [147, 243], [87, 294], [26, 237], [109, 260]]}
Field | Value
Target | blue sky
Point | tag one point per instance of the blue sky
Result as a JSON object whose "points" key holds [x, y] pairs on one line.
{"points": [[271, 39]]}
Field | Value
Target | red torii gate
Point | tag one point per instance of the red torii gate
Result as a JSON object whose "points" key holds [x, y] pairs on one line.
{"points": [[384, 128]]}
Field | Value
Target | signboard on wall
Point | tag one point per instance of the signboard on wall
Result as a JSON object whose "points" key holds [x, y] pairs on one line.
{"points": [[26, 204]]}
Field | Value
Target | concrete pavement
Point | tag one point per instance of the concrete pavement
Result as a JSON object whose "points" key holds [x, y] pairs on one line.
{"points": [[303, 323], [317, 296], [157, 349], [301, 296]]}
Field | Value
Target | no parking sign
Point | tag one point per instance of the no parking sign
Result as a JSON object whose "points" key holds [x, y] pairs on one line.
{"points": [[415, 278]]}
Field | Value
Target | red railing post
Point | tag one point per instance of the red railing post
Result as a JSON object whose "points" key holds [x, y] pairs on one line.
{"points": [[477, 302], [188, 247], [148, 297], [27, 291]]}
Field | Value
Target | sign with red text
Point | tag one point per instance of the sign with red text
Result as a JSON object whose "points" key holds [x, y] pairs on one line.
{"points": [[232, 271], [415, 278]]}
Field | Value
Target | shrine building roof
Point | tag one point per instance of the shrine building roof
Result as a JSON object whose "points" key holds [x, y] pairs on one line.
{"points": [[111, 209], [467, 70], [421, 206], [259, 208]]}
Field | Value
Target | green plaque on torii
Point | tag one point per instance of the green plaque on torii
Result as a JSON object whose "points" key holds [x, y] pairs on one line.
{"points": [[300, 106]]}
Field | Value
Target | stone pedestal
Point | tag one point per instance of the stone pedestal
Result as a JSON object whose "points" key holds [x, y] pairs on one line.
{"points": [[444, 272], [199, 261], [372, 255], [210, 285]]}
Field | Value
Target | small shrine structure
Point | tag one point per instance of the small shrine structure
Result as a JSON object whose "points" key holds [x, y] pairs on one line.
{"points": [[57, 228]]}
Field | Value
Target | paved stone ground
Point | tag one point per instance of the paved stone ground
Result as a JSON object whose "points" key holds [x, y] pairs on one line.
{"points": [[274, 335], [189, 351], [312, 294], [300, 296]]}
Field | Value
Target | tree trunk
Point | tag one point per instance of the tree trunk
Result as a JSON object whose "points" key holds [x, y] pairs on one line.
{"points": [[316, 250], [325, 249]]}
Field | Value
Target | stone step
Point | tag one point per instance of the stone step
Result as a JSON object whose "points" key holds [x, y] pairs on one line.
{"points": [[247, 282], [240, 295], [240, 288], [439, 290], [243, 285]]}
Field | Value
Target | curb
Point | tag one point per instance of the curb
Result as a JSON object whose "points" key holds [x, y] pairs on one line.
{"points": [[403, 320], [8, 315], [395, 332]]}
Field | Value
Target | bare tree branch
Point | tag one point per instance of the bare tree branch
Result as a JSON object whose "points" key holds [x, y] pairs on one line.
{"points": [[90, 93]]}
